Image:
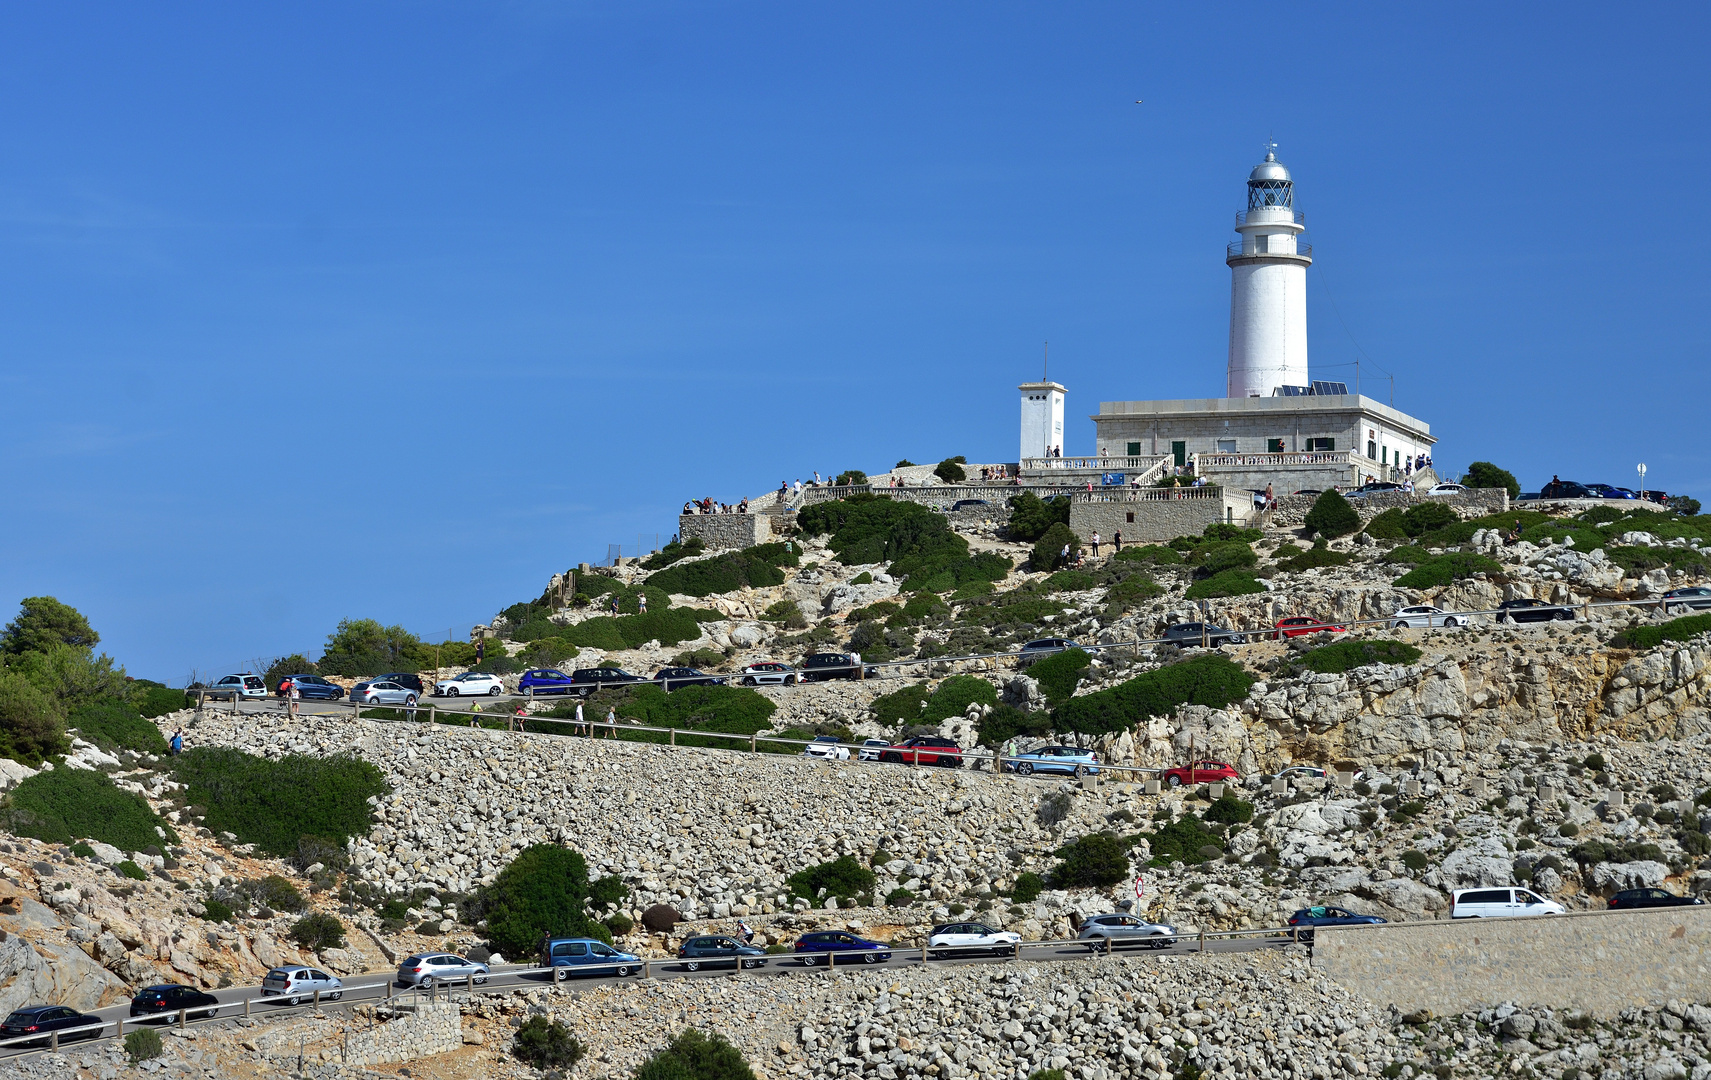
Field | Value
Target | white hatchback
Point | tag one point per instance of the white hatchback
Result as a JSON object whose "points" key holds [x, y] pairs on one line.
{"points": [[1500, 904], [971, 937], [826, 748], [470, 682]]}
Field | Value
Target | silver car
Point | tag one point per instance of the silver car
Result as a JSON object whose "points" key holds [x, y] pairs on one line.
{"points": [[383, 693], [299, 984], [1119, 930], [871, 748], [428, 970], [1424, 616]]}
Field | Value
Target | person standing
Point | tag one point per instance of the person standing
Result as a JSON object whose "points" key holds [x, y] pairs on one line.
{"points": [[1270, 499], [1117, 539], [578, 727], [612, 722], [178, 742], [296, 696], [1095, 542], [641, 603]]}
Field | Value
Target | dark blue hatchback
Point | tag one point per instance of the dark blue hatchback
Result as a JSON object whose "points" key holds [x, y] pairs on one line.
{"points": [[544, 681], [813, 948]]}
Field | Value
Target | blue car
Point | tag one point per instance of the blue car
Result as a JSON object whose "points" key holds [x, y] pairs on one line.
{"points": [[1610, 491], [544, 681], [1307, 918], [1070, 760], [310, 687], [592, 954], [811, 949]]}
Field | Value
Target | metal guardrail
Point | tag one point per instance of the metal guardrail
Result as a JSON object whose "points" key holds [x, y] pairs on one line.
{"points": [[1234, 251]]}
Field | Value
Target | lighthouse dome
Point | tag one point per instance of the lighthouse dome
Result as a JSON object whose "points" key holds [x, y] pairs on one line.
{"points": [[1269, 169]]}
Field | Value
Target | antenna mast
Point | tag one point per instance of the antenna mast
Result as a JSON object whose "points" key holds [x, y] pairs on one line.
{"points": [[1046, 366]]}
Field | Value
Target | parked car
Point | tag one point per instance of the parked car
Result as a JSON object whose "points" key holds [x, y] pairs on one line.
{"points": [[971, 937], [382, 692], [675, 678], [166, 999], [244, 685], [924, 750], [768, 673], [969, 504], [717, 950], [470, 683], [407, 679], [313, 687], [1610, 491], [590, 953], [1307, 918], [1446, 489], [1499, 904], [584, 681], [1528, 610], [431, 969], [539, 681], [1047, 645], [1416, 616], [48, 1019], [1121, 929], [1308, 491], [1628, 899], [1189, 634], [1204, 771], [811, 949], [1697, 597], [299, 984], [1566, 489], [1297, 625], [825, 666], [870, 749], [1071, 760], [1314, 772], [826, 748]]}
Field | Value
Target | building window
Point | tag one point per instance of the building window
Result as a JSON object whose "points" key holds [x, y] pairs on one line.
{"points": [[1274, 446], [1134, 449], [1371, 449], [1130, 518], [1226, 446], [1321, 446]]}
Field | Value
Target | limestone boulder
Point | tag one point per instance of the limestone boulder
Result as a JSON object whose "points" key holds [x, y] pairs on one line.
{"points": [[1630, 875], [1483, 861]]}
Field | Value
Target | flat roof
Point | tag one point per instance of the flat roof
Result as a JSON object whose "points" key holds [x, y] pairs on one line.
{"points": [[1225, 406]]}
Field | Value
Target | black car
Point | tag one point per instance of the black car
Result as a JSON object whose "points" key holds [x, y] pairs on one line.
{"points": [[1046, 645], [1193, 633], [1566, 489], [822, 666], [1694, 596], [407, 679], [672, 678], [1373, 488], [969, 504], [1516, 611], [717, 950], [310, 687], [169, 998], [584, 681], [48, 1019], [1639, 898]]}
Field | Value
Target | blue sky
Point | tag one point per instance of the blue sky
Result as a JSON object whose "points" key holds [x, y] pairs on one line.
{"points": [[393, 310]]}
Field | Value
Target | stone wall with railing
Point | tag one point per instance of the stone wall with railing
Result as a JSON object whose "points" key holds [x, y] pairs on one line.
{"points": [[1292, 510]]}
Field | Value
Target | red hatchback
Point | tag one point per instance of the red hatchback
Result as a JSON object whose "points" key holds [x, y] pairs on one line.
{"points": [[1297, 625], [1199, 772], [926, 750]]}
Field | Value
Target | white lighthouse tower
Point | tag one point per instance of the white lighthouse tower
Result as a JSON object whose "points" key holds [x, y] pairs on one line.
{"points": [[1268, 287]]}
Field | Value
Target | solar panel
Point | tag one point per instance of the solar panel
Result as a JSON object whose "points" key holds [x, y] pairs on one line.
{"points": [[1330, 388], [1294, 391]]}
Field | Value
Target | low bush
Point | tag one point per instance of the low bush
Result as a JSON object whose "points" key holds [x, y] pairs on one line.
{"points": [[1031, 516], [68, 804], [954, 696], [32, 725], [1650, 637], [951, 471], [1407, 554], [843, 877], [1331, 516], [1387, 525], [132, 870], [543, 892], [1224, 583], [216, 911], [547, 1044], [1218, 556], [1348, 655], [1212, 679], [863, 578], [1316, 556], [115, 725], [143, 1044], [1229, 810], [674, 551], [1414, 860], [1006, 722], [1068, 581], [152, 699], [1422, 518], [1134, 588], [273, 804], [728, 710], [725, 573], [274, 891], [1059, 674], [1096, 860], [1028, 888], [1153, 553], [1049, 548], [1180, 841], [699, 658], [317, 931], [1444, 569], [899, 897], [82, 850], [615, 633], [691, 1055]]}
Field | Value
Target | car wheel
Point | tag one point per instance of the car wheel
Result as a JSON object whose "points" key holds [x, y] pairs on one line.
{"points": [[293, 1000], [480, 980], [410, 700], [1173, 781], [1451, 622], [335, 995], [493, 692], [1399, 624], [809, 959], [748, 681], [1024, 768], [892, 757], [1564, 616], [210, 1014], [693, 965], [1080, 771], [451, 691], [1238, 639], [869, 958], [621, 970], [428, 982]]}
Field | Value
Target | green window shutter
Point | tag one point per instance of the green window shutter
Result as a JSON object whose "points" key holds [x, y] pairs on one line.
{"points": [[1134, 449], [1274, 446]]}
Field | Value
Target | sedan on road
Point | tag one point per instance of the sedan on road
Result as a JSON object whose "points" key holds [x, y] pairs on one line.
{"points": [[826, 748], [48, 1019], [1610, 491], [812, 949], [428, 970], [1313, 772], [1528, 610], [1199, 772], [1047, 645], [1297, 625], [312, 687], [717, 950], [470, 683], [165, 999], [540, 681], [1188, 634], [675, 678], [587, 680], [1418, 616], [1068, 760], [382, 692], [1696, 597], [299, 984], [768, 673], [924, 750], [1629, 899], [971, 937], [1121, 929], [1331, 916]]}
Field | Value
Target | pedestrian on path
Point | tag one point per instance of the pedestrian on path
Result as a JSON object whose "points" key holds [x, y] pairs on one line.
{"points": [[1096, 545], [296, 697], [612, 722], [579, 727], [1117, 539], [178, 742]]}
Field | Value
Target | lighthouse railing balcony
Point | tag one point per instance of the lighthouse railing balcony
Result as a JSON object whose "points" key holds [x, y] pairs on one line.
{"points": [[1268, 215], [1235, 251]]}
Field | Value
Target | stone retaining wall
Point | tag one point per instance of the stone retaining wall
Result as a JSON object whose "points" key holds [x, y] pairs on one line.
{"points": [[1476, 502], [1151, 521], [1600, 961], [722, 531], [423, 1030]]}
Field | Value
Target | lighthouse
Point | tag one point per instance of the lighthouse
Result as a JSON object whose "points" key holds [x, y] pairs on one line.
{"points": [[1268, 288]]}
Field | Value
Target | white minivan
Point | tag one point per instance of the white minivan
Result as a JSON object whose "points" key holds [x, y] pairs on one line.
{"points": [[1500, 903]]}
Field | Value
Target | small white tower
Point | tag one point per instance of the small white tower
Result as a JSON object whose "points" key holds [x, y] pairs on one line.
{"points": [[1268, 287], [1042, 419]]}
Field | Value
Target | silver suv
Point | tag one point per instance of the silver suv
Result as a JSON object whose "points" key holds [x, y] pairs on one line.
{"points": [[1120, 930], [428, 970], [244, 685], [296, 984]]}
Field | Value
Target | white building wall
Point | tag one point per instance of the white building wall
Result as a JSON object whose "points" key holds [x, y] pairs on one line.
{"points": [[1042, 419], [1268, 328]]}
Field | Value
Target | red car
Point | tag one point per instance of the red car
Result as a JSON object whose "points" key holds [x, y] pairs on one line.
{"points": [[924, 750], [1200, 772], [1297, 625]]}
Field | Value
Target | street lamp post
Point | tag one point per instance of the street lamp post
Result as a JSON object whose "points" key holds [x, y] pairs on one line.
{"points": [[1642, 481]]}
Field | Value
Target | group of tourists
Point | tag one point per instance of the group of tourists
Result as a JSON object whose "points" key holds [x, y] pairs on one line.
{"points": [[709, 506]]}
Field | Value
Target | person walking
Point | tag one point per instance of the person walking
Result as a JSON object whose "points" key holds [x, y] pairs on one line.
{"points": [[579, 727], [612, 721], [1270, 499], [1117, 540], [1095, 542], [641, 603], [296, 697], [178, 742], [518, 717]]}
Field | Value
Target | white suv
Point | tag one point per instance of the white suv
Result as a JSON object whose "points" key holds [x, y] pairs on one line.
{"points": [[470, 682], [1424, 615], [1500, 904], [971, 937]]}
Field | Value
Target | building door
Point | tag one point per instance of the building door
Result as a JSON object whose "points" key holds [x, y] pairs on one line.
{"points": [[1274, 446], [1179, 450]]}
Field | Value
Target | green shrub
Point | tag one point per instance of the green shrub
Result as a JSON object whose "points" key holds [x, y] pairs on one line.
{"points": [[365, 647], [1224, 583], [1031, 516], [1568, 828], [1047, 1074], [82, 850], [66, 804], [863, 578], [1229, 810], [295, 664], [1408, 554], [673, 551], [216, 911], [42, 624], [151, 699], [1211, 679], [317, 931], [1348, 655], [1006, 722], [132, 870], [729, 710], [1048, 549], [1316, 556], [1426, 517], [274, 891], [619, 924], [1153, 553], [614, 633], [273, 804], [1028, 888], [1331, 516], [749, 568], [1650, 637], [543, 892], [1220, 555], [31, 724], [1059, 674], [1093, 861], [1414, 860], [1180, 841], [954, 696], [850, 476], [899, 897], [900, 706], [112, 724], [547, 1044], [843, 877], [1133, 589], [693, 1056], [1068, 581], [1387, 525], [951, 471], [1483, 474], [143, 1044], [1444, 569]]}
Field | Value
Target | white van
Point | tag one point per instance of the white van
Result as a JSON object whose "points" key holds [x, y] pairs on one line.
{"points": [[1500, 903]]}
